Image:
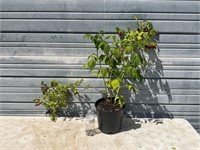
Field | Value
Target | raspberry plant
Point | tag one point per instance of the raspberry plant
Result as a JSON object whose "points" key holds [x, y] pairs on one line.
{"points": [[56, 95], [123, 59]]}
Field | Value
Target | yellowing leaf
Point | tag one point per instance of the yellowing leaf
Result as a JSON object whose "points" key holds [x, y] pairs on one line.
{"points": [[108, 84], [115, 83]]}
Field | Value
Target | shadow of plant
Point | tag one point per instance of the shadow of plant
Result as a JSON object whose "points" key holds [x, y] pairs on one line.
{"points": [[77, 109], [134, 123], [147, 103], [129, 124]]}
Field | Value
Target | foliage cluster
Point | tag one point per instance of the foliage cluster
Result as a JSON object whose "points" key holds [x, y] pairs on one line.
{"points": [[122, 59], [56, 95]]}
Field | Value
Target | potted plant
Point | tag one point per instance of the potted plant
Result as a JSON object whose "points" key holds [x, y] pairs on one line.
{"points": [[119, 63], [56, 96]]}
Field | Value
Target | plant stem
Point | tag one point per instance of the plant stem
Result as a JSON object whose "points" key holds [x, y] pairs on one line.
{"points": [[104, 81]]}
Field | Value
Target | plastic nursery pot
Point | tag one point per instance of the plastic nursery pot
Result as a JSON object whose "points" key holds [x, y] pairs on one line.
{"points": [[109, 122]]}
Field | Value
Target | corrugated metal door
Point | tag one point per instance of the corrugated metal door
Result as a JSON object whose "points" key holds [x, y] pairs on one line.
{"points": [[43, 40]]}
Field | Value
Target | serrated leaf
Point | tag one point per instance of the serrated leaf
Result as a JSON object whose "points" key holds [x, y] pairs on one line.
{"points": [[91, 64]]}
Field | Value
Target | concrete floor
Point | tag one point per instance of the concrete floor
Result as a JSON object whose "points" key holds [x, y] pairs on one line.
{"points": [[39, 133]]}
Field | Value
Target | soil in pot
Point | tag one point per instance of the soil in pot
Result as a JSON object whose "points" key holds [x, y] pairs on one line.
{"points": [[107, 105]]}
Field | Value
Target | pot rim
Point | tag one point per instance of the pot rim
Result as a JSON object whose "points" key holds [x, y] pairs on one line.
{"points": [[102, 99]]}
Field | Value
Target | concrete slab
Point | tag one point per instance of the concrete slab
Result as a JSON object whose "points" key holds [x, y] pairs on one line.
{"points": [[39, 133]]}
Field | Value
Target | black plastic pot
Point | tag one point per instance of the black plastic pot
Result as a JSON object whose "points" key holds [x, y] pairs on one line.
{"points": [[109, 121]]}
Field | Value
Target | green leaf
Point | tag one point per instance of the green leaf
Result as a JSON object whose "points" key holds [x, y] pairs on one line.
{"points": [[101, 57], [92, 56], [120, 100], [115, 84], [101, 45], [135, 59], [86, 36], [107, 37], [134, 46], [113, 63], [96, 74], [108, 84], [116, 53], [107, 60], [129, 86], [104, 72], [106, 49], [85, 66], [128, 69], [101, 32], [91, 64], [128, 49], [133, 72], [135, 18], [132, 88], [117, 29], [114, 37], [139, 37]]}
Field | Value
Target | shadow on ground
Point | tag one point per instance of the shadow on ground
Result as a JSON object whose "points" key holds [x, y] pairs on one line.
{"points": [[135, 123]]}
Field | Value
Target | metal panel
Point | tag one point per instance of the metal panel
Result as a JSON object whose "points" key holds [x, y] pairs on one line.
{"points": [[101, 6], [78, 38], [98, 16], [85, 26], [43, 40], [156, 83], [166, 74], [130, 98], [84, 51], [81, 60]]}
